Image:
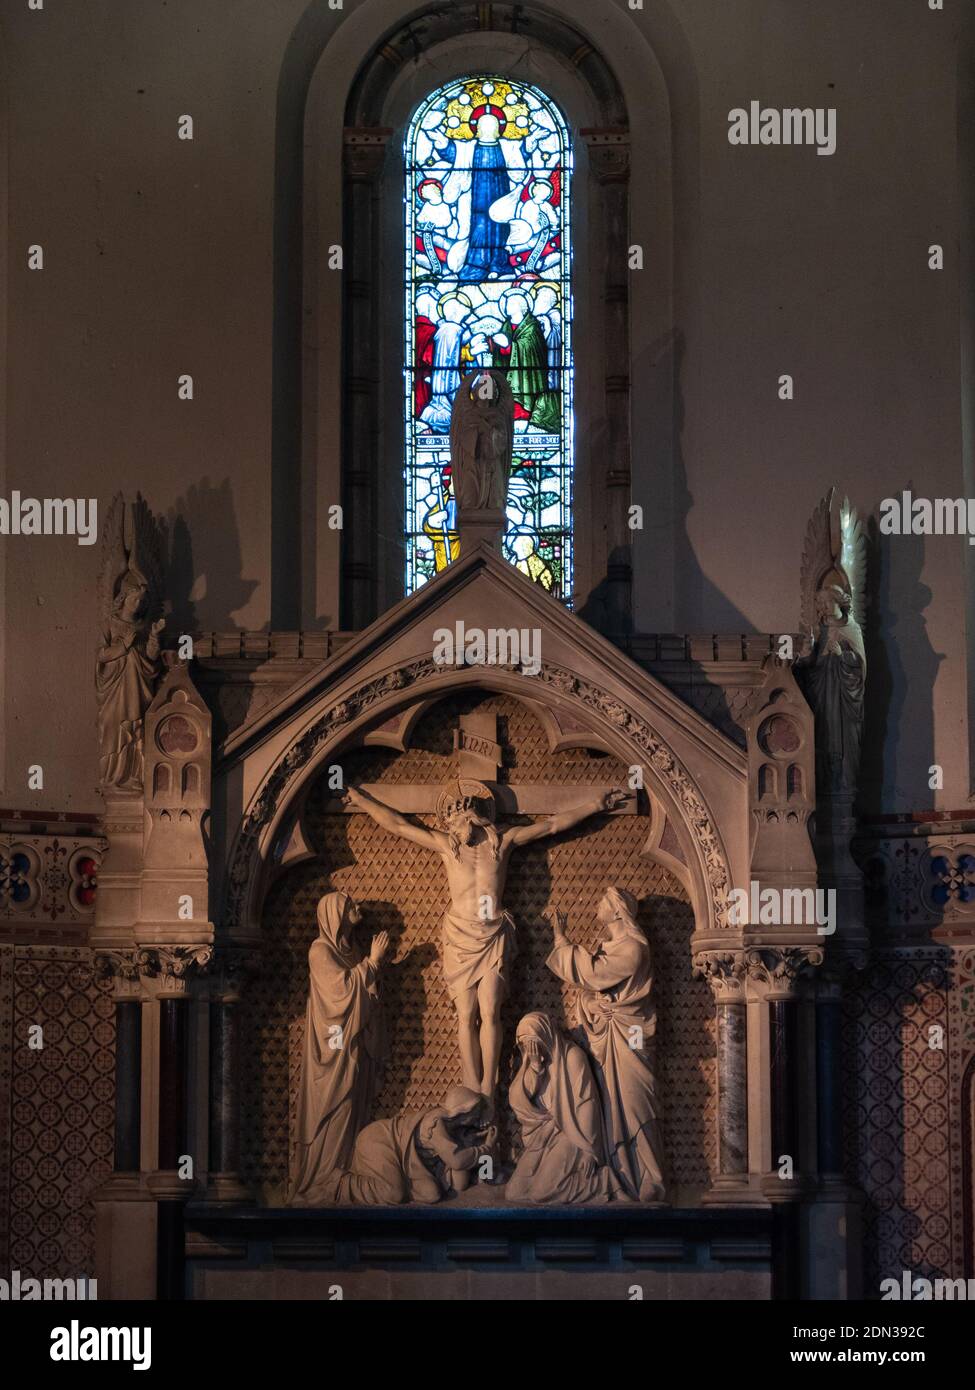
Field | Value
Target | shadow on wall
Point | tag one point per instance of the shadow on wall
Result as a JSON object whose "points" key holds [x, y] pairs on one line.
{"points": [[659, 366], [898, 735], [694, 591], [204, 561]]}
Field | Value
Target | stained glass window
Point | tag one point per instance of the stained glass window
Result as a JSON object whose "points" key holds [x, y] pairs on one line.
{"points": [[488, 284]]}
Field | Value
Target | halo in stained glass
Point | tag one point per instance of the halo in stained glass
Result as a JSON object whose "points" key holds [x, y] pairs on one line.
{"points": [[488, 284]]}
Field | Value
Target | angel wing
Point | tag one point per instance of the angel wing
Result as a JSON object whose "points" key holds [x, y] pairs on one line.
{"points": [[853, 559], [146, 555], [817, 561], [114, 561]]}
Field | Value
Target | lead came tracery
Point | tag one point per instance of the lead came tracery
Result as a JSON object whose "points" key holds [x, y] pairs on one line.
{"points": [[488, 284]]}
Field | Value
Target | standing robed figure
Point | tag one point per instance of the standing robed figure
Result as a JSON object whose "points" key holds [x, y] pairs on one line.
{"points": [[615, 1010], [343, 1049]]}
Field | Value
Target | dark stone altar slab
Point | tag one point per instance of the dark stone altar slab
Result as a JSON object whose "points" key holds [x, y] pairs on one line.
{"points": [[478, 1251]]}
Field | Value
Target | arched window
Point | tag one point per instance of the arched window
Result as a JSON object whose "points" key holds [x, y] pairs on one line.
{"points": [[488, 168]]}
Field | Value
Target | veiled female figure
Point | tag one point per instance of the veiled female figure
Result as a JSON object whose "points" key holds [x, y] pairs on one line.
{"points": [[616, 1012], [420, 1156], [342, 1051], [556, 1101], [126, 671]]}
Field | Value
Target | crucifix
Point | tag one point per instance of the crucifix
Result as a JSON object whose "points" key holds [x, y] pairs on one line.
{"points": [[478, 935]]}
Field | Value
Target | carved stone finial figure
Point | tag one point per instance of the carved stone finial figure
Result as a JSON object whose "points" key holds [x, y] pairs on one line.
{"points": [[614, 1007], [481, 441], [418, 1157], [343, 1049], [128, 665], [557, 1103], [833, 676], [478, 936]]}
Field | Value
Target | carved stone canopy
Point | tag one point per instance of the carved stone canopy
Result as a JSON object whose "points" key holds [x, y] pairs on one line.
{"points": [[582, 682]]}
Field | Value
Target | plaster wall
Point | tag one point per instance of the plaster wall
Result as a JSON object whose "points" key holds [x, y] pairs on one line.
{"points": [[165, 256]]}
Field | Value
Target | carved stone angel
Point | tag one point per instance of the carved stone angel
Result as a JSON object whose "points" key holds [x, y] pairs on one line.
{"points": [[481, 441], [128, 665], [834, 674]]}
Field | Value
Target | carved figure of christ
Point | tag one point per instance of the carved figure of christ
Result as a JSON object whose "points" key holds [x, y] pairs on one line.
{"points": [[478, 935]]}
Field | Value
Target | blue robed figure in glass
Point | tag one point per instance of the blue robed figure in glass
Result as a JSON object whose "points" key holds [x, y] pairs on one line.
{"points": [[487, 253]]}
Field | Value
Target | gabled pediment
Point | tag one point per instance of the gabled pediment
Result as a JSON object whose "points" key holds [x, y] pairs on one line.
{"points": [[481, 593], [587, 692]]}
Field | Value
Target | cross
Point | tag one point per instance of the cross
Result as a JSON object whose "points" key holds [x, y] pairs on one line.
{"points": [[479, 756]]}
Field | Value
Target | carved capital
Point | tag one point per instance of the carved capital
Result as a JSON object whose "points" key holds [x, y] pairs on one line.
{"points": [[122, 968], [780, 968], [171, 969], [725, 972]]}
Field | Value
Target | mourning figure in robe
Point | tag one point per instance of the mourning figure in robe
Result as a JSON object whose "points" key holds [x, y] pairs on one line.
{"points": [[343, 1049], [617, 1020], [419, 1157], [556, 1101]]}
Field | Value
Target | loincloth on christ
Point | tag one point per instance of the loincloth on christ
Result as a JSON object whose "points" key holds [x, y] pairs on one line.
{"points": [[474, 948]]}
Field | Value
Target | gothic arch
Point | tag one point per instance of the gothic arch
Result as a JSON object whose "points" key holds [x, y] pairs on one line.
{"points": [[554, 58], [329, 727], [635, 83]]}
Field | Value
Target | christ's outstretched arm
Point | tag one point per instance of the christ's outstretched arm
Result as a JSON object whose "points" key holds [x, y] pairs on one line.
{"points": [[565, 820], [392, 820]]}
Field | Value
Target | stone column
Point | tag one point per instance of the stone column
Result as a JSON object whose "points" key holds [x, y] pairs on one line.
{"points": [[609, 161], [224, 1183], [777, 971], [725, 973], [172, 1082], [128, 1084], [783, 1028], [169, 972], [364, 153]]}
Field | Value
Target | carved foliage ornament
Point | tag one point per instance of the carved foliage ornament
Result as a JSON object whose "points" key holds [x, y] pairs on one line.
{"points": [[359, 701], [725, 973], [153, 962], [781, 967]]}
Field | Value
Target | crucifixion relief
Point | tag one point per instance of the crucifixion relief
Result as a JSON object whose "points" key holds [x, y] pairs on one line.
{"points": [[478, 937]]}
